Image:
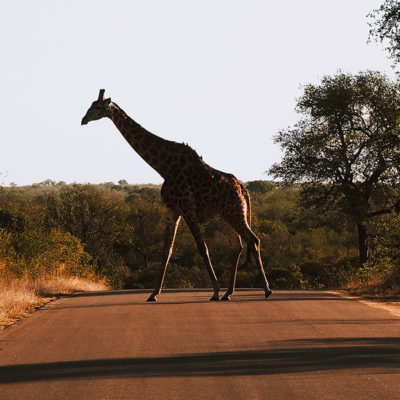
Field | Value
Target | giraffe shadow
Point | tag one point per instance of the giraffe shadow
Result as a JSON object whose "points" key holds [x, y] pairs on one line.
{"points": [[240, 296]]}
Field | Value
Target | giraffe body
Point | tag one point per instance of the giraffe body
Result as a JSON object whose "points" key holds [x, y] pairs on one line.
{"points": [[192, 190]]}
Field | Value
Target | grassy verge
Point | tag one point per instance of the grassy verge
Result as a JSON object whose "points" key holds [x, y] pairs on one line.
{"points": [[18, 297], [374, 284]]}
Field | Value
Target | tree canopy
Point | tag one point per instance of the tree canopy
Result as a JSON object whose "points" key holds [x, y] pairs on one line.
{"points": [[385, 27], [345, 150]]}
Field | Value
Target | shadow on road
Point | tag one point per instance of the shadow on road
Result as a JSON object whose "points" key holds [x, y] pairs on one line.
{"points": [[239, 295], [136, 291], [298, 356]]}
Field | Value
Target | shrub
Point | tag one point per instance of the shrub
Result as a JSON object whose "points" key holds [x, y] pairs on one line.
{"points": [[290, 277]]}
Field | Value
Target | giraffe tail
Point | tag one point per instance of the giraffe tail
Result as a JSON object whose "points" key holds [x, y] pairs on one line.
{"points": [[246, 195]]}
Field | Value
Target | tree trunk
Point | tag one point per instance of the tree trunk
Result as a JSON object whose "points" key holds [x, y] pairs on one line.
{"points": [[146, 261], [362, 242]]}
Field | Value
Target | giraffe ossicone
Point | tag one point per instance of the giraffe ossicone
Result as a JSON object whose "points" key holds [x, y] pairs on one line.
{"points": [[192, 190]]}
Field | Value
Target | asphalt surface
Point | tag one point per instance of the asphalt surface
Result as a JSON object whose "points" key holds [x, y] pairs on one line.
{"points": [[114, 345]]}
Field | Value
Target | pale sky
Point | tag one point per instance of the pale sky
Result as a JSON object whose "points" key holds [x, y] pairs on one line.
{"points": [[221, 75]]}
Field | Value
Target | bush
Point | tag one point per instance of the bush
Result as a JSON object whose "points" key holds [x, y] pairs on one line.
{"points": [[329, 276], [290, 277], [117, 231], [7, 254], [99, 219], [35, 254], [382, 271]]}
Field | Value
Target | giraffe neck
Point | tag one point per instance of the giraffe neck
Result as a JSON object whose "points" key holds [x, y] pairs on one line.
{"points": [[153, 149]]}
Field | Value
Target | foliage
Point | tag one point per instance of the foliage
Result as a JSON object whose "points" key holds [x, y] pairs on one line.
{"points": [[385, 28], [288, 278], [260, 186], [382, 272], [345, 149], [99, 220], [34, 253], [147, 216], [116, 231]]}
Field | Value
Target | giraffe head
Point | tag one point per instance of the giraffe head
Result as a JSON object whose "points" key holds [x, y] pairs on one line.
{"points": [[98, 109]]}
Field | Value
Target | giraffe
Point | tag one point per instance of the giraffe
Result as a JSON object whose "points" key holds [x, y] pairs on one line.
{"points": [[192, 190]]}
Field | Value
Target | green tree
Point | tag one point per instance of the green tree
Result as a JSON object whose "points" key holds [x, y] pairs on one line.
{"points": [[385, 263], [148, 220], [345, 150], [99, 219], [260, 186], [385, 27]]}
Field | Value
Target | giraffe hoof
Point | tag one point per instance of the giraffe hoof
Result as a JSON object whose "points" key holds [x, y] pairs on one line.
{"points": [[214, 298], [226, 298], [267, 294], [151, 299]]}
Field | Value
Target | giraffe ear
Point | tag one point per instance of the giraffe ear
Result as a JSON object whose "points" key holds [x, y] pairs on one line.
{"points": [[107, 101], [101, 94]]}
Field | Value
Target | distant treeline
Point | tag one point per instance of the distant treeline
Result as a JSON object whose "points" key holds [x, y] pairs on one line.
{"points": [[116, 231]]}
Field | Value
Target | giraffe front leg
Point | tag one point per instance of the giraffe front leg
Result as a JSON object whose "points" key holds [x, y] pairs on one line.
{"points": [[202, 246], [172, 225], [237, 248]]}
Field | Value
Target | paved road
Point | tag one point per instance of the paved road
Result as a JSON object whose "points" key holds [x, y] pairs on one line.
{"points": [[296, 345]]}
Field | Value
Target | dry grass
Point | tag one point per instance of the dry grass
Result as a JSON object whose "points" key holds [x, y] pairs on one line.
{"points": [[377, 285], [18, 297]]}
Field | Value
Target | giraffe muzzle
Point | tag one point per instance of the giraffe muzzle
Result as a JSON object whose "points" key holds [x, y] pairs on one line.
{"points": [[84, 121]]}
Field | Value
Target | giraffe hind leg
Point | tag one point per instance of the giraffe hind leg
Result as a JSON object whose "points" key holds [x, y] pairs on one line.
{"points": [[253, 243]]}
